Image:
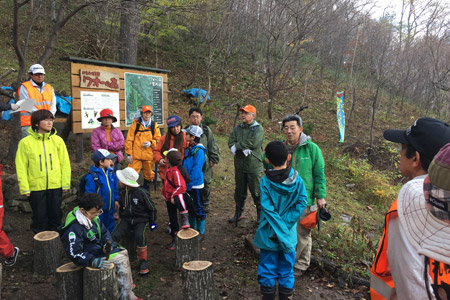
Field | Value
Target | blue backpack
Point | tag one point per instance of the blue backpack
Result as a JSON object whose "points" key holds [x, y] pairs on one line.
{"points": [[82, 185]]}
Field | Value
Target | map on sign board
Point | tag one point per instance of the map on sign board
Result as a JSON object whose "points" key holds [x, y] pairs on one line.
{"points": [[143, 90], [92, 103]]}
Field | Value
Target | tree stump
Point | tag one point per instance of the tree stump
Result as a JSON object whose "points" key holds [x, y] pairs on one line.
{"points": [[129, 242], [198, 280], [188, 248], [69, 282], [99, 284], [47, 252]]}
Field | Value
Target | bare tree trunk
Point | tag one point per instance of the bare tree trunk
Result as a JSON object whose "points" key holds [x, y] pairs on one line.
{"points": [[347, 121], [129, 30], [374, 107]]}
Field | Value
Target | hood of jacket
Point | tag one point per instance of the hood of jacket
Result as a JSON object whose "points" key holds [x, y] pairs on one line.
{"points": [[41, 136], [287, 186], [303, 140]]}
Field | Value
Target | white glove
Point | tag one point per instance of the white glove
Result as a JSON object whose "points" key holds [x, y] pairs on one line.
{"points": [[247, 152], [146, 144], [130, 159], [14, 106], [233, 149]]}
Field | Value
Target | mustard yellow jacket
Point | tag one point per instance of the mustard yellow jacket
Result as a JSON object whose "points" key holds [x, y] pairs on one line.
{"points": [[42, 162]]}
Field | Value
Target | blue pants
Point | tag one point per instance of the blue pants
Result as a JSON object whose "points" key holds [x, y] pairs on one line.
{"points": [[276, 265], [107, 218]]}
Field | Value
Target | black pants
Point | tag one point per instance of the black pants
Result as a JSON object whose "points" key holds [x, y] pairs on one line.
{"points": [[182, 202], [46, 207], [124, 227]]}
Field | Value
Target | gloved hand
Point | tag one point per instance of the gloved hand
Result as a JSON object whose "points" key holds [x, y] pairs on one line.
{"points": [[233, 149], [101, 263], [146, 144], [247, 152], [130, 159], [14, 106]]}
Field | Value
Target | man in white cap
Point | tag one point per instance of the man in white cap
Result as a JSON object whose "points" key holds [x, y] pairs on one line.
{"points": [[42, 93]]}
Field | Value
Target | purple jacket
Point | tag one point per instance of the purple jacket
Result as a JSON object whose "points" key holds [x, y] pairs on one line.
{"points": [[99, 141]]}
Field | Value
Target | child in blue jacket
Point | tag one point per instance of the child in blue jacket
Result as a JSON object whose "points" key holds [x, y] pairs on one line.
{"points": [[194, 162], [283, 199], [103, 181]]}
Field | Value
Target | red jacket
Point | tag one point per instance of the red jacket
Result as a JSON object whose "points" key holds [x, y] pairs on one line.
{"points": [[174, 183]]}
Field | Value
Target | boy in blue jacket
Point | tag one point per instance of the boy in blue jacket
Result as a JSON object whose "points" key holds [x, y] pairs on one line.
{"points": [[194, 162], [283, 199], [103, 181], [84, 238]]}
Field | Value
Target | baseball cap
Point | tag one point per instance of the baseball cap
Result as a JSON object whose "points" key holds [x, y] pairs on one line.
{"points": [[107, 113], [194, 130], [128, 176], [248, 108], [146, 108], [101, 154], [426, 135], [173, 121], [36, 69]]}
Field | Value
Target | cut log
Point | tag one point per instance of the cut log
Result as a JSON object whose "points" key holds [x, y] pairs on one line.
{"points": [[69, 282], [129, 242], [47, 252], [198, 280], [188, 248], [100, 284]]}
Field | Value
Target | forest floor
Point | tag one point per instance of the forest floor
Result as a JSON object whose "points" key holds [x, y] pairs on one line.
{"points": [[235, 266]]}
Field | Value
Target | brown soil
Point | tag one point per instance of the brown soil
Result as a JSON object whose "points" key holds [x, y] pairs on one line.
{"points": [[235, 267]]}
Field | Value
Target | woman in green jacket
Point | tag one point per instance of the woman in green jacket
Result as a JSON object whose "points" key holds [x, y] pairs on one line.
{"points": [[43, 171]]}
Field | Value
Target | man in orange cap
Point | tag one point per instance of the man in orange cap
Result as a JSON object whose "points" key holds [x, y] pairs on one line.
{"points": [[142, 137], [246, 144]]}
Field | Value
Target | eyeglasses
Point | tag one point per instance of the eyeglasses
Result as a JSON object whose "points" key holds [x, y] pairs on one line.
{"points": [[96, 214]]}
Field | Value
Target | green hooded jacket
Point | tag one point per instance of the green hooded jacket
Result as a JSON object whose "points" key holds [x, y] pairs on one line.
{"points": [[308, 161], [247, 136], [208, 140]]}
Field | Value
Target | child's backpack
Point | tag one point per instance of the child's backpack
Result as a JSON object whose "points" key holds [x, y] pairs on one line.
{"points": [[184, 173], [82, 185]]}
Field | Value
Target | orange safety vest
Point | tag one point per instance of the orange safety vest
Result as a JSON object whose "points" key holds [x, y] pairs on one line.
{"points": [[381, 283], [440, 279], [42, 101]]}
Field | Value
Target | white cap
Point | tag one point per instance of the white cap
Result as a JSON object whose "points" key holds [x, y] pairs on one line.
{"points": [[36, 69], [194, 130]]}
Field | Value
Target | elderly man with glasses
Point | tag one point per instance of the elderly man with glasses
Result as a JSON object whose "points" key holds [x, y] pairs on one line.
{"points": [[308, 161]]}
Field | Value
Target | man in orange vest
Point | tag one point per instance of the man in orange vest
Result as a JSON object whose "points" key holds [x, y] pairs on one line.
{"points": [[398, 269], [42, 93]]}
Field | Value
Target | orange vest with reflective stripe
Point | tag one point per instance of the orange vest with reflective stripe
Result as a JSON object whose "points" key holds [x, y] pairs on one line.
{"points": [[42, 101], [440, 279], [381, 282]]}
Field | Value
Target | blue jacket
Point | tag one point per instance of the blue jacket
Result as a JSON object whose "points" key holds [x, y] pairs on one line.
{"points": [[84, 245], [281, 206], [109, 186], [193, 162]]}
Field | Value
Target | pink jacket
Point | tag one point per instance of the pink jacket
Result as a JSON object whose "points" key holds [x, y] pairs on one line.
{"points": [[99, 141]]}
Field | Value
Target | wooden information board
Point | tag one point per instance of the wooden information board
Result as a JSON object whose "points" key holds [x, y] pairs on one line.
{"points": [[137, 86]]}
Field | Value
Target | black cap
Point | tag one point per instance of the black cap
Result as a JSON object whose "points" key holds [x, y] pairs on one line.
{"points": [[426, 135]]}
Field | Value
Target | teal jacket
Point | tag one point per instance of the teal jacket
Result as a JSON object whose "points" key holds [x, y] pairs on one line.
{"points": [[308, 161], [250, 136], [281, 206], [42, 162]]}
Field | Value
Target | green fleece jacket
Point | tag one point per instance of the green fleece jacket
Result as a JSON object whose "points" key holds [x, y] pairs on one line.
{"points": [[42, 162], [247, 136], [308, 161]]}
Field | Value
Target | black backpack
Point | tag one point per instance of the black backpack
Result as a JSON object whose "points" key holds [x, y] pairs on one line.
{"points": [[82, 185], [152, 128]]}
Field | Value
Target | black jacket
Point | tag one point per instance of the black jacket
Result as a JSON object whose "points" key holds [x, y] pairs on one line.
{"points": [[136, 206]]}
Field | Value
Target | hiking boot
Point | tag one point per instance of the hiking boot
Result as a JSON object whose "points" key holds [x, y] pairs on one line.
{"points": [[172, 245], [10, 261], [285, 293], [184, 220], [201, 237], [206, 209], [143, 267], [237, 216]]}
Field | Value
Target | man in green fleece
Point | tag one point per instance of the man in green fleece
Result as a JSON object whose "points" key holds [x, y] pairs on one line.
{"points": [[245, 143], [307, 160]]}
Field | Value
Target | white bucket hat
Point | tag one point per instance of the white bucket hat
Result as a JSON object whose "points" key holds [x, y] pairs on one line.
{"points": [[424, 210], [128, 176]]}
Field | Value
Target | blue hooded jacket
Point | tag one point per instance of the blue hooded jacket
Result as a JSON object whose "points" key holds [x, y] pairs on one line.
{"points": [[109, 186], [281, 206], [193, 162]]}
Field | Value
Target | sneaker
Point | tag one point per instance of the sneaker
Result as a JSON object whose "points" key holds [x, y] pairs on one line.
{"points": [[143, 267], [172, 245], [10, 261]]}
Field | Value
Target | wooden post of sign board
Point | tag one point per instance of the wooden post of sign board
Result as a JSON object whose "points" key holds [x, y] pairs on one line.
{"points": [[79, 142]]}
